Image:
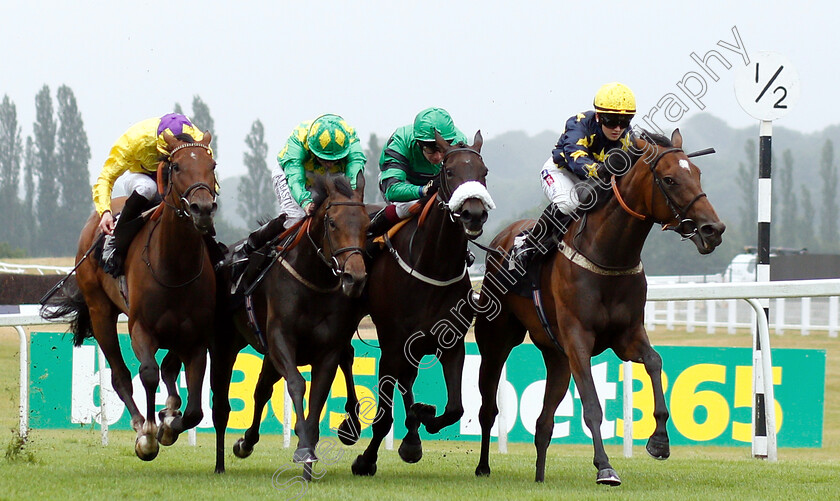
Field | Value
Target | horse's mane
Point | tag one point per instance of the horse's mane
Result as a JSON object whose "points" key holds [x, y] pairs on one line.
{"points": [[657, 139], [319, 187]]}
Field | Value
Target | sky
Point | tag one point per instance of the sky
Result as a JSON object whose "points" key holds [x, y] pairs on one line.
{"points": [[496, 66]]}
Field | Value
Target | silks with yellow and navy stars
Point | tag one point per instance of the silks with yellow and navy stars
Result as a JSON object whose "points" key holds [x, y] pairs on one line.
{"points": [[583, 145]]}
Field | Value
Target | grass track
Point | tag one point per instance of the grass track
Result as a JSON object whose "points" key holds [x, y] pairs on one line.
{"points": [[73, 465]]}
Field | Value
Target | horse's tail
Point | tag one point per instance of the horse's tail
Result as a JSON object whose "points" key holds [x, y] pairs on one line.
{"points": [[70, 303]]}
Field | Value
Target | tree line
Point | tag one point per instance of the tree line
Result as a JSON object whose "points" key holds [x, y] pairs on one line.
{"points": [[45, 189]]}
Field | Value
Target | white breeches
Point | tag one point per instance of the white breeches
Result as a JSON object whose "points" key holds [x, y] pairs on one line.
{"points": [[288, 205], [141, 183], [558, 185]]}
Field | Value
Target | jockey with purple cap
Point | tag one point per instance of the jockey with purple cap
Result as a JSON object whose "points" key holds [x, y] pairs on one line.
{"points": [[136, 154]]}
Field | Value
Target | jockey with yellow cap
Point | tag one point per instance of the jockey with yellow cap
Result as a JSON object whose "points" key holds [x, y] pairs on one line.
{"points": [[326, 145], [135, 155], [580, 154]]}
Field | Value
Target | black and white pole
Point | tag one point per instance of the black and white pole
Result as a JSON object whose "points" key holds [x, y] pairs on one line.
{"points": [[766, 88]]}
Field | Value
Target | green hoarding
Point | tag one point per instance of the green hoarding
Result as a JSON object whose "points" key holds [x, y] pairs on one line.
{"points": [[708, 390]]}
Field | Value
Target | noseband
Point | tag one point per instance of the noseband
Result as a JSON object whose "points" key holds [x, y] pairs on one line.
{"points": [[183, 198], [332, 262]]}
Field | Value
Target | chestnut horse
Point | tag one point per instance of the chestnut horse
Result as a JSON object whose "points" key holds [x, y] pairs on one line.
{"points": [[171, 294], [593, 293], [308, 306], [418, 298]]}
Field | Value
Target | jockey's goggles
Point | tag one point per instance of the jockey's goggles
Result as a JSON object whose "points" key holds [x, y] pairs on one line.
{"points": [[429, 147], [610, 120]]}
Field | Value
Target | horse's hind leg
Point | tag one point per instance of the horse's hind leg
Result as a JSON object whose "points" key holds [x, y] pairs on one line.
{"points": [[350, 428], [172, 426], [638, 349], [170, 368], [556, 385], [262, 393], [452, 361]]}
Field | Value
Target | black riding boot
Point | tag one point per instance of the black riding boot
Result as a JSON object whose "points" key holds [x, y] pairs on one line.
{"points": [[379, 224], [128, 224], [544, 236], [239, 258]]}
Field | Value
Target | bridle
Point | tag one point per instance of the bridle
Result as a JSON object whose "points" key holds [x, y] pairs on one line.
{"points": [[332, 261], [445, 191], [686, 227], [183, 198]]}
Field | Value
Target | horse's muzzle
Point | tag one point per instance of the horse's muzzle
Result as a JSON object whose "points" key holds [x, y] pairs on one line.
{"points": [[473, 215], [202, 215], [708, 236], [353, 284]]}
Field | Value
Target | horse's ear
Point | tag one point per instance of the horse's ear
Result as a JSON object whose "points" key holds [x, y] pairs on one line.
{"points": [[442, 143], [477, 141], [676, 138], [170, 139], [207, 138], [360, 185]]}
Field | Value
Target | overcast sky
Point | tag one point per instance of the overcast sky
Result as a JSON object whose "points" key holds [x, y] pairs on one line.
{"points": [[496, 66]]}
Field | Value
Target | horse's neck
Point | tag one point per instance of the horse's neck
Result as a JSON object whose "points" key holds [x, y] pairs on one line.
{"points": [[304, 257], [612, 237], [179, 243], [441, 244]]}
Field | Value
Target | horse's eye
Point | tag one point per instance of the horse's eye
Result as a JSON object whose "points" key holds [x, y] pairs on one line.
{"points": [[176, 167], [449, 173], [669, 181], [331, 222]]}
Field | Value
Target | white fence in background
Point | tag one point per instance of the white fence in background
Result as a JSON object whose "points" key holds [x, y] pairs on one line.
{"points": [[40, 268]]}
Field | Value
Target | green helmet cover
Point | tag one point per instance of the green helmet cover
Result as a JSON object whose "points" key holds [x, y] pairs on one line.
{"points": [[431, 119]]}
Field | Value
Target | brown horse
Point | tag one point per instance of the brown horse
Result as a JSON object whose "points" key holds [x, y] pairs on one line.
{"points": [[594, 299], [171, 294], [308, 306], [418, 298]]}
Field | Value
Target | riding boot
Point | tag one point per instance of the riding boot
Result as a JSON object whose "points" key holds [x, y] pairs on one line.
{"points": [[554, 225], [127, 225], [239, 258], [379, 224]]}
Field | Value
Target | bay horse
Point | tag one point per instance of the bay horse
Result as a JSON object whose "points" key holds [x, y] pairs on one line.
{"points": [[594, 299], [418, 297], [308, 307], [170, 299]]}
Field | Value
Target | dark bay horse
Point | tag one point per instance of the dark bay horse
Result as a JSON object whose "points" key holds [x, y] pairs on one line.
{"points": [[594, 299], [418, 298], [308, 306], [171, 291]]}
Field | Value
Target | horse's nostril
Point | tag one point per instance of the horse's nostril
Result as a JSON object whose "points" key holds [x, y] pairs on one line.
{"points": [[484, 216], [466, 216]]}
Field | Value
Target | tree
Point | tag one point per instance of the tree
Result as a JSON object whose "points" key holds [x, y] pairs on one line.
{"points": [[73, 158], [785, 229], [201, 118], [807, 237], [46, 169], [30, 161], [178, 109], [829, 211], [256, 196], [10, 158], [747, 174], [374, 149]]}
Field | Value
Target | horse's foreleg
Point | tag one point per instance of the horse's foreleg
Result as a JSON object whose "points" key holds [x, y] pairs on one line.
{"points": [[556, 385], [365, 463], [283, 357], [323, 374], [411, 448], [222, 358], [262, 393], [640, 351], [579, 359], [452, 361], [170, 368], [350, 428], [146, 446]]}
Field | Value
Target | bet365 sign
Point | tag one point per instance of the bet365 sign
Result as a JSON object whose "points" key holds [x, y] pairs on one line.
{"points": [[708, 391]]}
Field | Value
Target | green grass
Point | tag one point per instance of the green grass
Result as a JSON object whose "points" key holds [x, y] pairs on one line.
{"points": [[72, 464]]}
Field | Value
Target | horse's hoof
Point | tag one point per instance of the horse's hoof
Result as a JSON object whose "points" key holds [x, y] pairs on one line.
{"points": [[304, 455], [424, 412], [608, 476], [146, 447], [411, 453], [482, 470], [362, 468], [166, 435], [348, 432], [658, 449], [241, 450]]}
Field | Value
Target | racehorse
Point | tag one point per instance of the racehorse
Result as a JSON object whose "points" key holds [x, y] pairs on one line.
{"points": [[418, 299], [593, 294], [308, 307], [170, 298]]}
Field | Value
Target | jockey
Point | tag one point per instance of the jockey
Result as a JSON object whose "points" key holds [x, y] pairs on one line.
{"points": [[136, 152], [326, 145], [580, 154], [410, 162]]}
